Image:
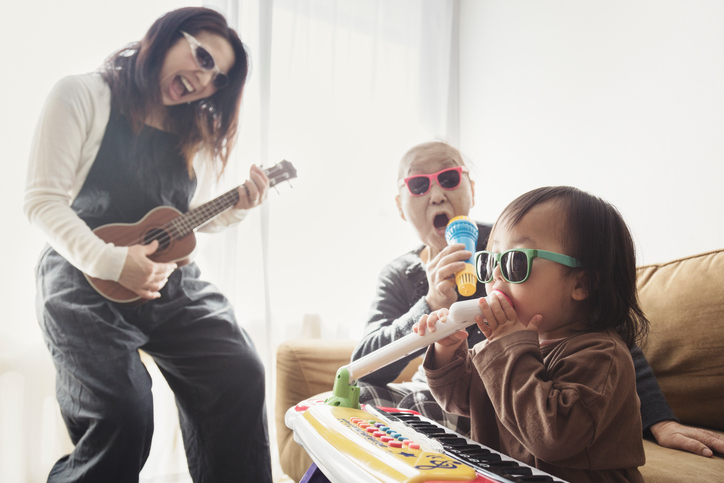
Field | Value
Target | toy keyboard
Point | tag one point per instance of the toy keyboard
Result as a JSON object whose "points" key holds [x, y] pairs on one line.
{"points": [[397, 446]]}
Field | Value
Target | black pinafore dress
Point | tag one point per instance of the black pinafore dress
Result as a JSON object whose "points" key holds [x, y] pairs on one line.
{"points": [[103, 388]]}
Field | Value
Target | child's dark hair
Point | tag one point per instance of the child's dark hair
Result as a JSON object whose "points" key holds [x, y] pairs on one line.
{"points": [[595, 233]]}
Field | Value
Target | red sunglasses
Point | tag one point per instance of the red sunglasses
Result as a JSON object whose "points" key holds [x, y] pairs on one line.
{"points": [[420, 184]]}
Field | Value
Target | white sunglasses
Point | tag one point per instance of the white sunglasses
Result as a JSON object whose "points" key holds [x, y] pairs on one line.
{"points": [[205, 61]]}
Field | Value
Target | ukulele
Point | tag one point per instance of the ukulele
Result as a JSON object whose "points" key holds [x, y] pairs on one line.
{"points": [[173, 230]]}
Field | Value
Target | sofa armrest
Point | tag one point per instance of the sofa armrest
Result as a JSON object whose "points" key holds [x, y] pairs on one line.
{"points": [[305, 368], [308, 368]]}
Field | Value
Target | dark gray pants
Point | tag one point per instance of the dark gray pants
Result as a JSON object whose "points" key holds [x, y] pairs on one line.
{"points": [[104, 390]]}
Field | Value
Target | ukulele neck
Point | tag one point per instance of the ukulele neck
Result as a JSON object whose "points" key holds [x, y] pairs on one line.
{"points": [[190, 221]]}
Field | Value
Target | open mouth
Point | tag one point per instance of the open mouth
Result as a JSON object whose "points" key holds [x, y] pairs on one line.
{"points": [[180, 87], [189, 88], [441, 221]]}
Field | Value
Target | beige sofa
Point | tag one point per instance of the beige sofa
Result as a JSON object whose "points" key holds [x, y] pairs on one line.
{"points": [[683, 299]]}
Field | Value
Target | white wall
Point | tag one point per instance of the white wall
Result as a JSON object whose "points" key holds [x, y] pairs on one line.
{"points": [[624, 99]]}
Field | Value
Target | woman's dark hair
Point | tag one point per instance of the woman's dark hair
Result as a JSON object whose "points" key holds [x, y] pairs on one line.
{"points": [[595, 233], [208, 124]]}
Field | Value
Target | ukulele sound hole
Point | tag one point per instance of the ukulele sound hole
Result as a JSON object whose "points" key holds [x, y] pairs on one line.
{"points": [[164, 239]]}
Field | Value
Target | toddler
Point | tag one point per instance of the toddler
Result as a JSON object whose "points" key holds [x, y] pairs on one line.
{"points": [[554, 383]]}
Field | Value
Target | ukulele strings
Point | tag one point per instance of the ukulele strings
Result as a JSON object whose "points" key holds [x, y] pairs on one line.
{"points": [[183, 224], [206, 211], [165, 234]]}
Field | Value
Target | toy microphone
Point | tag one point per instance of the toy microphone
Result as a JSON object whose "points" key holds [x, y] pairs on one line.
{"points": [[462, 229]]}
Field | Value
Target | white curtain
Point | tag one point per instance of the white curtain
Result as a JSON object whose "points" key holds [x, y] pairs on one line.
{"points": [[341, 89]]}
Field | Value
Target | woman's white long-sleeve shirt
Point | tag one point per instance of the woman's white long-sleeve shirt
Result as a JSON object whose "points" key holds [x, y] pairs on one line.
{"points": [[65, 144]]}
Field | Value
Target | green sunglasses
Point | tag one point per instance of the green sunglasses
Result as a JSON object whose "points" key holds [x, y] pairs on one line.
{"points": [[515, 264]]}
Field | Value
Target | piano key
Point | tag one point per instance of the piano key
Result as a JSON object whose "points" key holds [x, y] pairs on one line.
{"points": [[431, 430], [467, 448], [533, 479], [484, 458], [516, 472], [454, 444]]}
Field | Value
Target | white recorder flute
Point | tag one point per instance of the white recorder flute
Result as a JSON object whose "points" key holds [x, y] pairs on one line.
{"points": [[462, 315]]}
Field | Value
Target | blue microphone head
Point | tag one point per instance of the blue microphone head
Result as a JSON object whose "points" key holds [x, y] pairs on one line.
{"points": [[462, 229]]}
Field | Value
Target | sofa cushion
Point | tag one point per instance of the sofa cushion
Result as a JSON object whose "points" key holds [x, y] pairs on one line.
{"points": [[684, 301], [666, 465]]}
